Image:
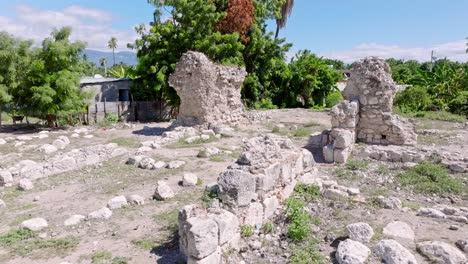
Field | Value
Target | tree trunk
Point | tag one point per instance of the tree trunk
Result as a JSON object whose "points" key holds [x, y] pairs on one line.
{"points": [[113, 55], [50, 120], [277, 31]]}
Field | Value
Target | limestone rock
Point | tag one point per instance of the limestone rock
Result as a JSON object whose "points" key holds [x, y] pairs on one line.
{"points": [[202, 237], [64, 139], [135, 199], [6, 179], [208, 152], [399, 230], [189, 179], [2, 204], [163, 191], [74, 220], [237, 188], [441, 252], [117, 202], [2, 141], [25, 185], [430, 212], [59, 144], [391, 252], [352, 252], [103, 213], [463, 245], [209, 93], [35, 224], [361, 232], [389, 203], [48, 149], [334, 194], [175, 164]]}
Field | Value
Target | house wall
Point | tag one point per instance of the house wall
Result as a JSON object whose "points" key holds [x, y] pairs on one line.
{"points": [[107, 91]]}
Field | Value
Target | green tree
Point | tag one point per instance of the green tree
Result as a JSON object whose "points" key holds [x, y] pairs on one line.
{"points": [[112, 44], [52, 86], [103, 63]]}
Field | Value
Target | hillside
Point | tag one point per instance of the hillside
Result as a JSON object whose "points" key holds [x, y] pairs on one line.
{"points": [[127, 57]]}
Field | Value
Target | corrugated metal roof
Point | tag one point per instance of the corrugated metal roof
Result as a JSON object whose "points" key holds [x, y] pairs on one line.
{"points": [[90, 80]]}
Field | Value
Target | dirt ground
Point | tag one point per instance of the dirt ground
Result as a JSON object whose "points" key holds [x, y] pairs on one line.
{"points": [[146, 233]]}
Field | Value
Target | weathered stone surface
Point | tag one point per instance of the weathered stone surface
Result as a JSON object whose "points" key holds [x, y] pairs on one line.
{"points": [[35, 224], [208, 152], [209, 93], [254, 215], [228, 225], [361, 232], [6, 179], [2, 204], [175, 164], [163, 191], [59, 144], [103, 213], [462, 245], [352, 252], [391, 252], [441, 252], [333, 194], [202, 237], [430, 212], [48, 149], [399, 230], [117, 202], [189, 179], [135, 199], [389, 203], [74, 220], [237, 188], [25, 185], [270, 205]]}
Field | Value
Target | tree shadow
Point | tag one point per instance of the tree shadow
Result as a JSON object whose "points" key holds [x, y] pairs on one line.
{"points": [[151, 131], [335, 244], [168, 251]]}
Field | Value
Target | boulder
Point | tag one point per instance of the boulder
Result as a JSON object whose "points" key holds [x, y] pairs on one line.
{"points": [[163, 191], [35, 224], [103, 213], [6, 179], [352, 252], [462, 245], [48, 149], [74, 220], [135, 199], [117, 202], [202, 237], [399, 230], [430, 212], [391, 252], [189, 179], [441, 252], [64, 139], [25, 185], [208, 152], [361, 232], [237, 188], [59, 144], [175, 164]]}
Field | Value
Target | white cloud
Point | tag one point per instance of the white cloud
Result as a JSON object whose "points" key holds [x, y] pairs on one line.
{"points": [[90, 25], [452, 50]]}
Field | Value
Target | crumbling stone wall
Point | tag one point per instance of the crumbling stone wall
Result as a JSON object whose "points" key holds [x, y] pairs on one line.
{"points": [[366, 114], [250, 191], [210, 94]]}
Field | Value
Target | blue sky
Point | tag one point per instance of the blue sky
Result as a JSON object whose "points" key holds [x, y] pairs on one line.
{"points": [[343, 29]]}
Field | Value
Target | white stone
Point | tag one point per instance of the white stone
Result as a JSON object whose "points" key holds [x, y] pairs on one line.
{"points": [[429, 212], [2, 141], [399, 230], [74, 220], [75, 135], [254, 215], [270, 205], [175, 164], [202, 237], [135, 199], [389, 203], [59, 144], [6, 179], [103, 213], [189, 179], [352, 252], [2, 204], [88, 136], [42, 136], [143, 150], [361, 232], [391, 252], [159, 165], [190, 140], [48, 149], [208, 152], [117, 202], [441, 252], [24, 138], [35, 224], [163, 191], [25, 185], [64, 139]]}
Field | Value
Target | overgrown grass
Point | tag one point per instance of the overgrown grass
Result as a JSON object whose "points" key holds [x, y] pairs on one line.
{"points": [[126, 142], [25, 243], [357, 165], [246, 231], [168, 219], [267, 227], [306, 253], [436, 115], [298, 218], [307, 192], [105, 257], [146, 244], [302, 132], [430, 178], [218, 158]]}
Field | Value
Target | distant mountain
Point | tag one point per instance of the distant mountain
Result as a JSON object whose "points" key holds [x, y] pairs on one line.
{"points": [[126, 57]]}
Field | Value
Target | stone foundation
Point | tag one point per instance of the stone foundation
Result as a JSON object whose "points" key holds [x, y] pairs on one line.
{"points": [[210, 94], [250, 192]]}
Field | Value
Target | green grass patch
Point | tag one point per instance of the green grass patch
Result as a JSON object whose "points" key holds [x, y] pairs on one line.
{"points": [[267, 227], [26, 243], [307, 192], [298, 219], [126, 142], [436, 115], [196, 143], [430, 178], [356, 165], [306, 253], [302, 132], [383, 170], [246, 231], [343, 173], [146, 244], [168, 219], [218, 158]]}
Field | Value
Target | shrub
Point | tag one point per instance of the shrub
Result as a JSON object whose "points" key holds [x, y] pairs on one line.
{"points": [[356, 165], [459, 105], [298, 218], [413, 99], [267, 228], [306, 254], [307, 191], [429, 178], [265, 103], [333, 99], [111, 118], [246, 230]]}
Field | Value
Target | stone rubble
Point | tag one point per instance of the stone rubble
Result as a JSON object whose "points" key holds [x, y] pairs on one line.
{"points": [[163, 191], [441, 252], [103, 213], [361, 232], [189, 179], [352, 252], [74, 220], [35, 224], [117, 202], [399, 230], [392, 252]]}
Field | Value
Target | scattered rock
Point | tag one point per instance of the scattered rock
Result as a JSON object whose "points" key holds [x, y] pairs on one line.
{"points": [[163, 191], [24, 138], [2, 141], [35, 224], [208, 152], [74, 220], [25, 185], [159, 165], [2, 204], [389, 203], [352, 252], [189, 179], [64, 139], [175, 164], [135, 199], [398, 229], [391, 252], [462, 245], [430, 212], [361, 232], [334, 194], [48, 149], [6, 179], [441, 252], [117, 202], [59, 144], [103, 213]]}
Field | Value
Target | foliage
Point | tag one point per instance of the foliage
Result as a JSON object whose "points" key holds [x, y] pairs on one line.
{"points": [[109, 120], [298, 218], [436, 115], [112, 44], [459, 105], [123, 71], [286, 10], [267, 227], [333, 99], [265, 104], [430, 178], [239, 18], [412, 99], [246, 231], [307, 192], [306, 253], [357, 165]]}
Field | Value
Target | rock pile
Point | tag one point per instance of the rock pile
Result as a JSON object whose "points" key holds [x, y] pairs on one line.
{"points": [[366, 114], [209, 93]]}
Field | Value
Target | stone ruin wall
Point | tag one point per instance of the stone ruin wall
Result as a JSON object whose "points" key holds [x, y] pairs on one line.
{"points": [[210, 94], [366, 114], [250, 192]]}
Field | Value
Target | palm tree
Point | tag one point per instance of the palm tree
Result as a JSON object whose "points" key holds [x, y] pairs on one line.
{"points": [[286, 11], [112, 44], [103, 63]]}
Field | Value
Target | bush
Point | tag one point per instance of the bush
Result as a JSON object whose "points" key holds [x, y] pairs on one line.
{"points": [[306, 254], [298, 218], [413, 99], [333, 99], [459, 105], [267, 228], [307, 192], [429, 178], [265, 104], [246, 231], [357, 165]]}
